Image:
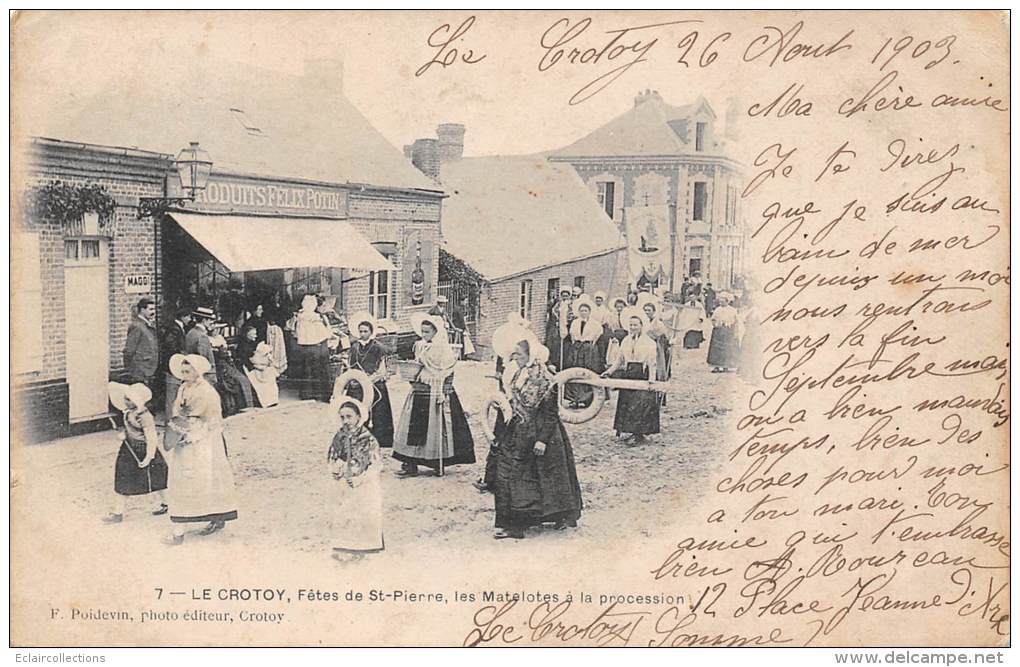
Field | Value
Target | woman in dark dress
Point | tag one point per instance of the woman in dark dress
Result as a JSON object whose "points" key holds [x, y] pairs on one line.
{"points": [[536, 480], [246, 347], [723, 348], [366, 354], [259, 322], [140, 468], [637, 411], [584, 351], [505, 369], [433, 430]]}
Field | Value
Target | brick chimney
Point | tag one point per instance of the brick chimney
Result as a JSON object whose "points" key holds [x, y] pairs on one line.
{"points": [[648, 94], [425, 156], [451, 141]]}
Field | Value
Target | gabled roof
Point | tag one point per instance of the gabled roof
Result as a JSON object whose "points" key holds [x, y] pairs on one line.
{"points": [[650, 127], [509, 215], [251, 121]]}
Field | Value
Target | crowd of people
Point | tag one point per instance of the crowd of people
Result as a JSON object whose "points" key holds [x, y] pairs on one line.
{"points": [[530, 468]]}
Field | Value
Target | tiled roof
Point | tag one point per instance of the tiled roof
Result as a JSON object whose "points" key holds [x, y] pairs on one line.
{"points": [[650, 127], [252, 121], [509, 215]]}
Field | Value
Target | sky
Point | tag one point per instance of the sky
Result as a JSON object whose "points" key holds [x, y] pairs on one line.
{"points": [[506, 103]]}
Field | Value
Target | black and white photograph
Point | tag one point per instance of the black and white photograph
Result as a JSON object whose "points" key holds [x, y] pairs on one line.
{"points": [[590, 328]]}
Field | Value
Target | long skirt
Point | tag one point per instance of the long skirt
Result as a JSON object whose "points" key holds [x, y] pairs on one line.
{"points": [[428, 431], [637, 411], [534, 489], [129, 479], [552, 341], [313, 372], [603, 343], [722, 349], [693, 339], [380, 421], [263, 382], [356, 513], [234, 389], [584, 355], [492, 459], [663, 358], [201, 483]]}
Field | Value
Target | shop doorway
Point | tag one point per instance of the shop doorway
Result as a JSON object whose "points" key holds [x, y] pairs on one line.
{"points": [[87, 326]]}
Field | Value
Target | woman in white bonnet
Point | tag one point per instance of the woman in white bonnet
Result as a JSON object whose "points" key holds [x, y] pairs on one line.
{"points": [[433, 430], [312, 333], [201, 483], [723, 349], [141, 468]]}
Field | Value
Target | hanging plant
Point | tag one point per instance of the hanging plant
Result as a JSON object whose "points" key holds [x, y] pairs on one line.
{"points": [[68, 204]]}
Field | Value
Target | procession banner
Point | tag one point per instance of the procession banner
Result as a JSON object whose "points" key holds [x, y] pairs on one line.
{"points": [[649, 245], [820, 459]]}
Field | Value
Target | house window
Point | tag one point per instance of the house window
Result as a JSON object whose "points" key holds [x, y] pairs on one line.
{"points": [[696, 254], [699, 136], [524, 303], [731, 205], [700, 200], [90, 249], [579, 282], [552, 290], [26, 301], [380, 285], [607, 197], [82, 251]]}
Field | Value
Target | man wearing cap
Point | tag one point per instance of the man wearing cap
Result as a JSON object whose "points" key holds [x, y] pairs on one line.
{"points": [[441, 310], [141, 347], [197, 341]]}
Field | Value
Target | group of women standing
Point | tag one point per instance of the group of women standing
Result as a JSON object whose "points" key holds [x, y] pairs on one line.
{"points": [[188, 470]]}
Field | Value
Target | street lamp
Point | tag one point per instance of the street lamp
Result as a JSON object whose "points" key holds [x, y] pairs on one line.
{"points": [[193, 168]]}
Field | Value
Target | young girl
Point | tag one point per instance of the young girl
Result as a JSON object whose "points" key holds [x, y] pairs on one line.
{"points": [[140, 467], [355, 503]]}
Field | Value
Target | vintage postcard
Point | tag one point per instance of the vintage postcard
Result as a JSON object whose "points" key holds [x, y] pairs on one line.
{"points": [[516, 328]]}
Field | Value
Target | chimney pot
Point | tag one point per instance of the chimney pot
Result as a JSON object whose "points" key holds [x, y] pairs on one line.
{"points": [[451, 141]]}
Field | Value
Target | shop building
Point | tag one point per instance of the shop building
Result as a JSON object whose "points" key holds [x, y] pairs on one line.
{"points": [[660, 155], [304, 196]]}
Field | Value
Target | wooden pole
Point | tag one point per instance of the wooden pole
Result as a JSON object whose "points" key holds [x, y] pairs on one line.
{"points": [[672, 248]]}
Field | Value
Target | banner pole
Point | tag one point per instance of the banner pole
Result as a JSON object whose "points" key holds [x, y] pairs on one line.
{"points": [[672, 248]]}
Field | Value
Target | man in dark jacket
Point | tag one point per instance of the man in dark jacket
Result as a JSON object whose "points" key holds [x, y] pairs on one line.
{"points": [[171, 344], [141, 347], [197, 340], [710, 299]]}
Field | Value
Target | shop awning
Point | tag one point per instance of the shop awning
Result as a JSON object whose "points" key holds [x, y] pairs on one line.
{"points": [[257, 243]]}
